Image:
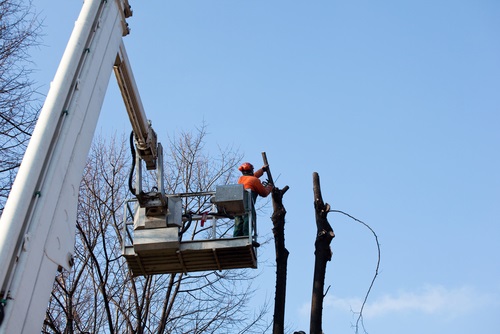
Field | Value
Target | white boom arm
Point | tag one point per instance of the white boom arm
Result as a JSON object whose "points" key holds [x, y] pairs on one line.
{"points": [[145, 137], [37, 227]]}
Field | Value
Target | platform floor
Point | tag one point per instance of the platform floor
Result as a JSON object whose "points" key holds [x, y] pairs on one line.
{"points": [[192, 256]]}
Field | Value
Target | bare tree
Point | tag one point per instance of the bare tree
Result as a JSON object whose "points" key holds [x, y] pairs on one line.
{"points": [[322, 255], [19, 31], [282, 253], [99, 295]]}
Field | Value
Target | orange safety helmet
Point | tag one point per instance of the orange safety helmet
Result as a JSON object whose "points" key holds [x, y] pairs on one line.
{"points": [[246, 166]]}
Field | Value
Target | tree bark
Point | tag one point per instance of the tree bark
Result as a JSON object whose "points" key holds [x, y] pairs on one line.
{"points": [[322, 254], [278, 219]]}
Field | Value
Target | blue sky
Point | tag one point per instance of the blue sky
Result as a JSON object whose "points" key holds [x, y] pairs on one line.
{"points": [[395, 104]]}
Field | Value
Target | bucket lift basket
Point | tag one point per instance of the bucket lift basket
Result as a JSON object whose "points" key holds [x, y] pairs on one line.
{"points": [[157, 246]]}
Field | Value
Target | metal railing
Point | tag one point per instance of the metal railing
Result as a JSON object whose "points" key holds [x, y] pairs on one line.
{"points": [[199, 218]]}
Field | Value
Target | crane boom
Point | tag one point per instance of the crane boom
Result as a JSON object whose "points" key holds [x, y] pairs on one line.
{"points": [[37, 227], [145, 137]]}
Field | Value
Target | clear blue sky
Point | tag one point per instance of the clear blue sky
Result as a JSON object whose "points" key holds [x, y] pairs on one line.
{"points": [[396, 104]]}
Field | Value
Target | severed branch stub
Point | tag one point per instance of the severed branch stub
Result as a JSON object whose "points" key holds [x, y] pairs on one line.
{"points": [[322, 255]]}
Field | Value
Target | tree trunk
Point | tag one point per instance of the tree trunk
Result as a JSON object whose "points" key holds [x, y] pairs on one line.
{"points": [[322, 253], [278, 219]]}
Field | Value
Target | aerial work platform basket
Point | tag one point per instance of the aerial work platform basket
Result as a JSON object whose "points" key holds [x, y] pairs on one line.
{"points": [[191, 256], [154, 244]]}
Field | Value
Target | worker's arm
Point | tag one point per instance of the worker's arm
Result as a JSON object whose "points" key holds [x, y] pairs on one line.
{"points": [[259, 188], [259, 172]]}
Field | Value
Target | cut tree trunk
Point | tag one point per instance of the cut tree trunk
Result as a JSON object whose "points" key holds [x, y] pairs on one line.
{"points": [[278, 219], [322, 255]]}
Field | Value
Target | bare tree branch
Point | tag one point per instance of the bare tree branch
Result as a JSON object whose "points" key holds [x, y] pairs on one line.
{"points": [[19, 32], [101, 295]]}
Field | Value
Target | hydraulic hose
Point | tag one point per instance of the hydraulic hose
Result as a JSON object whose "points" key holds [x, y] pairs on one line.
{"points": [[131, 175]]}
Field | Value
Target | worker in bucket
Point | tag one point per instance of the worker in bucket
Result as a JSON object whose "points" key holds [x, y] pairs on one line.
{"points": [[250, 180]]}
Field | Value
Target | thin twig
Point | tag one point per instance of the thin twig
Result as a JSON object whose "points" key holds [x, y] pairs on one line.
{"points": [[360, 316]]}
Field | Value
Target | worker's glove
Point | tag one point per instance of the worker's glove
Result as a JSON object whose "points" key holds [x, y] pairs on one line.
{"points": [[265, 168]]}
